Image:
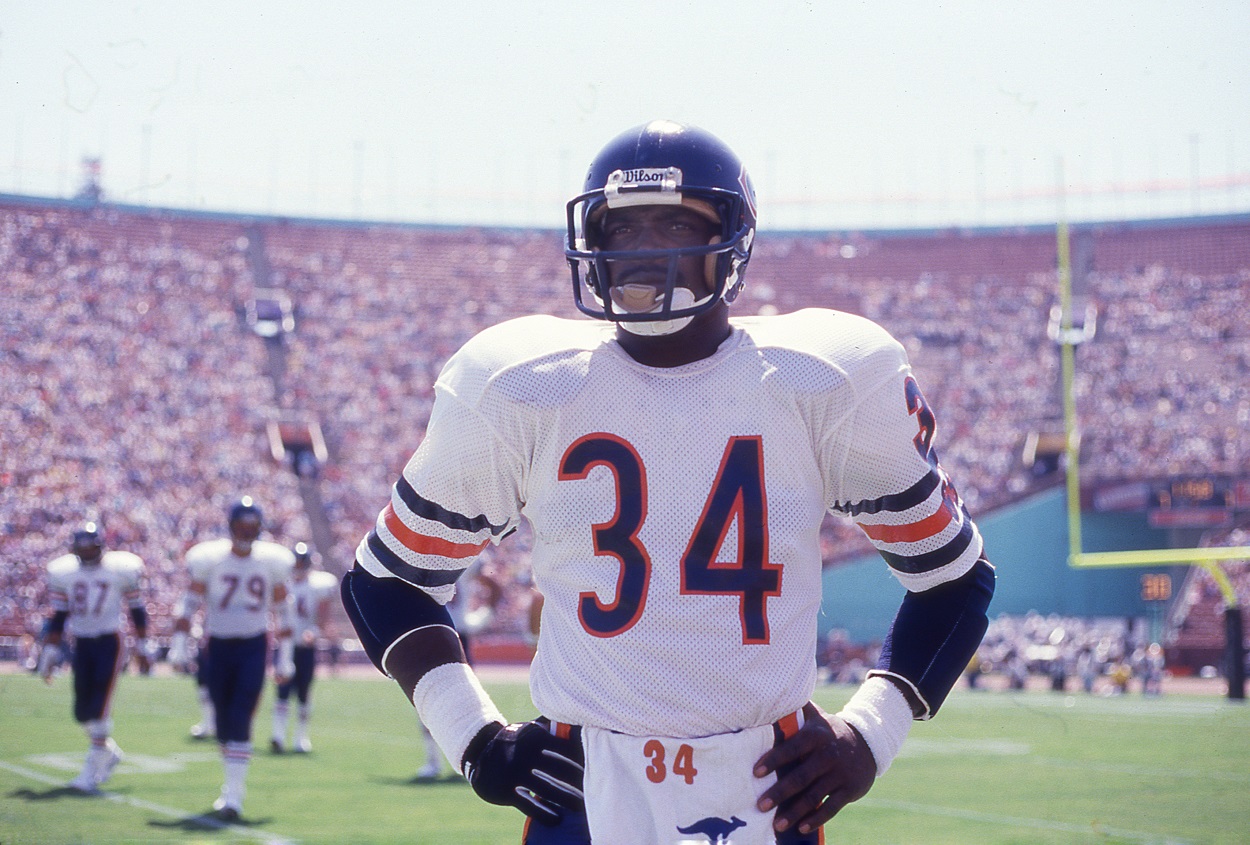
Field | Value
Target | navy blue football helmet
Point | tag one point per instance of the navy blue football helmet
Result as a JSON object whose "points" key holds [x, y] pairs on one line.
{"points": [[244, 507], [661, 163], [245, 519], [88, 544], [303, 556]]}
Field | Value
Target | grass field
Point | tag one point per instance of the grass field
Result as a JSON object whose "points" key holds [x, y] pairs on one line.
{"points": [[994, 767]]}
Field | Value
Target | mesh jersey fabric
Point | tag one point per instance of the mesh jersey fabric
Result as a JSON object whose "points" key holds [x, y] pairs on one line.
{"points": [[94, 596], [240, 589], [304, 597], [676, 511]]}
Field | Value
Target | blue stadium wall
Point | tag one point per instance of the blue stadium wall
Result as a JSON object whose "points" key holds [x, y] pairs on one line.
{"points": [[1028, 545]]}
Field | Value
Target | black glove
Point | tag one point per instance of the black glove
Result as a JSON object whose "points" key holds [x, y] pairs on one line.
{"points": [[527, 767]]}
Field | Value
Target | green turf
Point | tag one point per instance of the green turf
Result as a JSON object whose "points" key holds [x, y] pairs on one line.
{"points": [[1035, 768]]}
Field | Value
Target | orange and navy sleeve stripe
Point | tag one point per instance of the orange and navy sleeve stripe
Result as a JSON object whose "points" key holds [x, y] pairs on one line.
{"points": [[413, 530], [919, 530]]}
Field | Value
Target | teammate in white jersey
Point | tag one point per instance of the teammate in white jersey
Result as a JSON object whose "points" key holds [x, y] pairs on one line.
{"points": [[88, 590], [311, 593], [676, 466], [239, 582]]}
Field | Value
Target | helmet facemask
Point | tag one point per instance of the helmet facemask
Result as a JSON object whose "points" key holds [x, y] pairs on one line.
{"points": [[88, 545], [725, 256], [244, 531], [244, 520], [650, 306]]}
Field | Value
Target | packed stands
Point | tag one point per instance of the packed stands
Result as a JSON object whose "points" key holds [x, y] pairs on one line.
{"points": [[136, 394], [131, 396]]}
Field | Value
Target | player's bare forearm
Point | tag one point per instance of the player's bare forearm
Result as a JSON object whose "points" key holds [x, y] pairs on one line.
{"points": [[822, 768], [411, 657]]}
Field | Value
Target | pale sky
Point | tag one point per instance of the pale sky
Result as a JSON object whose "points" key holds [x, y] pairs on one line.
{"points": [[848, 114]]}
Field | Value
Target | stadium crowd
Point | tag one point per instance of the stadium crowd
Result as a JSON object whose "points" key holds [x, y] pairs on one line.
{"points": [[1068, 653], [135, 394], [130, 398]]}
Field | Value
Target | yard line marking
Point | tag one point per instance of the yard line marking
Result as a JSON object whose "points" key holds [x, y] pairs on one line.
{"points": [[1100, 830], [209, 821], [1147, 771]]}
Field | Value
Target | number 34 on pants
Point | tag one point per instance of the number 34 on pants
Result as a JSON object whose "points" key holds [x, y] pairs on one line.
{"points": [[682, 762]]}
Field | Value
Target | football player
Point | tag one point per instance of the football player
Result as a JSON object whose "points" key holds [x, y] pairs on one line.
{"points": [[238, 582], [676, 465], [88, 589], [310, 594], [180, 657], [206, 727]]}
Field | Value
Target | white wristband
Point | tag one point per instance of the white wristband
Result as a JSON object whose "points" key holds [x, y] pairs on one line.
{"points": [[881, 714], [284, 663], [188, 605], [178, 654], [451, 702]]}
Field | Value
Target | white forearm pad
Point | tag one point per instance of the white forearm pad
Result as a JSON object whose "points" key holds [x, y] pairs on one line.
{"points": [[178, 648], [451, 702], [285, 613], [49, 659], [285, 663], [881, 714], [188, 605]]}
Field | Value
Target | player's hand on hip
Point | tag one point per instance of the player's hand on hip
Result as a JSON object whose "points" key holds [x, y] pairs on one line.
{"points": [[822, 768], [526, 766]]}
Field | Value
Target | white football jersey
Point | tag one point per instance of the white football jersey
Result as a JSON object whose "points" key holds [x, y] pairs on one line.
{"points": [[239, 589], [304, 596], [676, 512], [95, 596]]}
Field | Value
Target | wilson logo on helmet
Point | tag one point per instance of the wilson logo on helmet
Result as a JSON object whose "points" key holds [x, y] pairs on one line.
{"points": [[643, 186]]}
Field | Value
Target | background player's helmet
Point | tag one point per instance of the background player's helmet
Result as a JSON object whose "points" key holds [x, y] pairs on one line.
{"points": [[245, 519], [87, 543], [662, 163], [303, 556]]}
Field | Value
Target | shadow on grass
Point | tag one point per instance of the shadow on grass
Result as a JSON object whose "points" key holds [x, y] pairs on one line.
{"points": [[53, 794], [205, 821], [440, 782]]}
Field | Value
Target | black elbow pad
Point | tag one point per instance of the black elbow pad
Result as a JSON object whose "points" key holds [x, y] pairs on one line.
{"points": [[382, 610]]}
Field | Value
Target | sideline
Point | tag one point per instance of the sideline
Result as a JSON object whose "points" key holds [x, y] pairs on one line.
{"points": [[354, 671], [1093, 827], [170, 812]]}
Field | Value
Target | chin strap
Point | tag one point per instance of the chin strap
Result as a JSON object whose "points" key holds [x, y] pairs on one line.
{"points": [[682, 298]]}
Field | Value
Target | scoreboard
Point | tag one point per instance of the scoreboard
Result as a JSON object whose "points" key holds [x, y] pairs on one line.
{"points": [[1186, 501], [1196, 492], [1156, 586], [1196, 501]]}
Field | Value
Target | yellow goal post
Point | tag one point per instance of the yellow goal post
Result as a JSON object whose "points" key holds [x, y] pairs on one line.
{"points": [[1069, 337]]}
